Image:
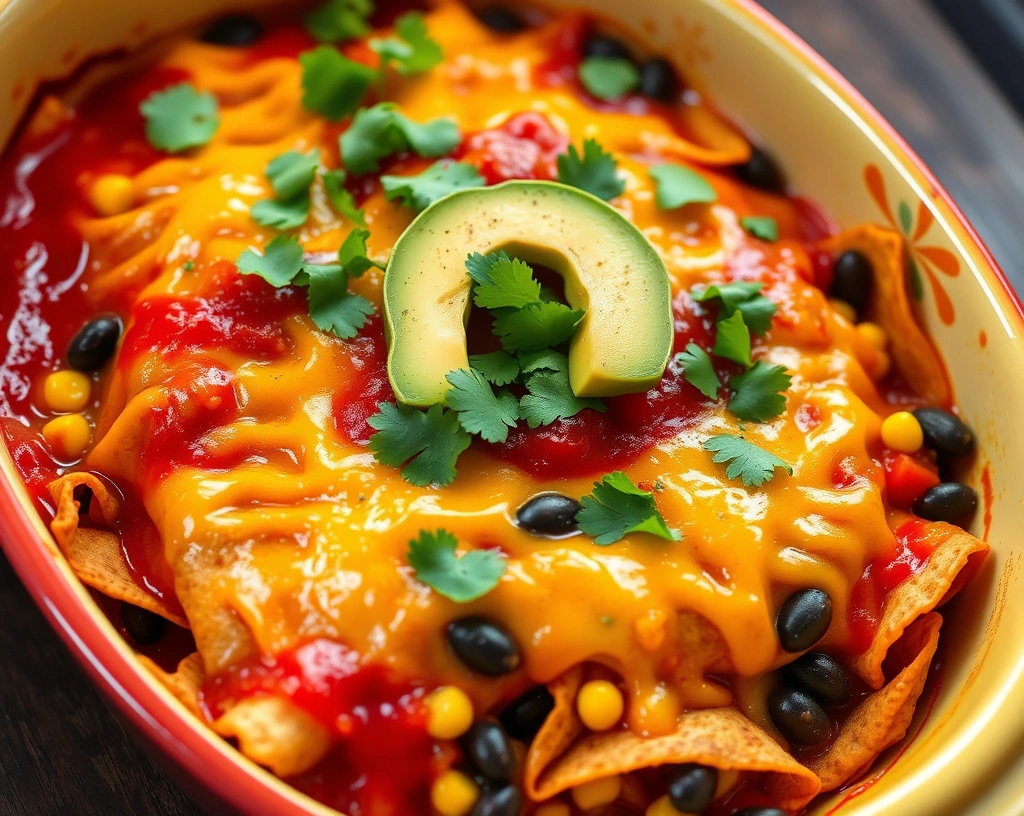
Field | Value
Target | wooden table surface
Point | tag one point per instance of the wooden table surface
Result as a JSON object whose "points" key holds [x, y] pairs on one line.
{"points": [[61, 751]]}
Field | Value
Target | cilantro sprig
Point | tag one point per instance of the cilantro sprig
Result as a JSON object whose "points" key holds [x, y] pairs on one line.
{"points": [[411, 51], [437, 181], [617, 507], [425, 444], [763, 227], [594, 172], [382, 130], [340, 20], [608, 78], [179, 118], [332, 307], [745, 296], [757, 392], [480, 410], [290, 176], [332, 84], [676, 186], [753, 464], [432, 555], [699, 370], [551, 396]]}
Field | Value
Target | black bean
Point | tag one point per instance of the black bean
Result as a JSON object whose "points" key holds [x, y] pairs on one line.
{"points": [[950, 501], [501, 19], [601, 45], [759, 811], [803, 619], [141, 625], [484, 646], [95, 343], [507, 801], [761, 171], [692, 787], [524, 716], [852, 280], [490, 750], [821, 676], [549, 514], [798, 717], [945, 433], [658, 80], [234, 30]]}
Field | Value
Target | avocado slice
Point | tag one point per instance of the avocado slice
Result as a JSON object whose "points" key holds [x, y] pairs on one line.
{"points": [[610, 270]]}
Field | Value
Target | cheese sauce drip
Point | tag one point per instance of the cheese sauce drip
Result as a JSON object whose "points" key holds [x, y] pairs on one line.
{"points": [[281, 527]]}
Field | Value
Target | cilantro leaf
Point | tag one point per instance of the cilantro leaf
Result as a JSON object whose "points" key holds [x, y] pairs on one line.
{"points": [[180, 117], [480, 410], [595, 172], [498, 367], [763, 227], [551, 397], [341, 199], [545, 360], [352, 254], [608, 78], [733, 340], [282, 215], [745, 296], [381, 131], [340, 20], [746, 460], [502, 281], [678, 186], [332, 84], [432, 557], [291, 173], [437, 181], [699, 370], [756, 394], [537, 327], [279, 263], [617, 507], [427, 442], [331, 306], [412, 51]]}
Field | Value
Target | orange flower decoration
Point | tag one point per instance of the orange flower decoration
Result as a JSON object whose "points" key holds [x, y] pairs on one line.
{"points": [[932, 259]]}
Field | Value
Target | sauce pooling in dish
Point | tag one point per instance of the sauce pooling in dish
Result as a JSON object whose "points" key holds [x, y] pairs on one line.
{"points": [[507, 435]]}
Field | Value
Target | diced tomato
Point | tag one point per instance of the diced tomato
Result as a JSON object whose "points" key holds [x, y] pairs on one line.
{"points": [[524, 147], [907, 477]]}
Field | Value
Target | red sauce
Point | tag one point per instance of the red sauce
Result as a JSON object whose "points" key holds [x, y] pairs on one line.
{"points": [[384, 761], [882, 576], [524, 147]]}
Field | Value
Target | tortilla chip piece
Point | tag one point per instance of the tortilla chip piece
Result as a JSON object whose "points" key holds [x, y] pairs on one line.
{"points": [[920, 593], [184, 683], [883, 718], [275, 733], [892, 310], [719, 737], [706, 138], [560, 729], [95, 555]]}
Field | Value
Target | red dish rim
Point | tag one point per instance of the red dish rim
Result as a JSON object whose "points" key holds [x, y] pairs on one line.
{"points": [[244, 788]]}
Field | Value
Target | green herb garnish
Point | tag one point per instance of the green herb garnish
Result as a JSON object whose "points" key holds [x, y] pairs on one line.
{"points": [[179, 118], [763, 227], [502, 281], [537, 327], [290, 175], [677, 186], [608, 78], [746, 461], [744, 296], [756, 392], [340, 198], [382, 131], [432, 557], [437, 181], [412, 51], [427, 443], [480, 410], [332, 84], [594, 172], [498, 367], [699, 370], [551, 396], [617, 508], [340, 20], [280, 262], [733, 339]]}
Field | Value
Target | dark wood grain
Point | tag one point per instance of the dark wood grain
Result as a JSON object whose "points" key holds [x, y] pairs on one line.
{"points": [[62, 752]]}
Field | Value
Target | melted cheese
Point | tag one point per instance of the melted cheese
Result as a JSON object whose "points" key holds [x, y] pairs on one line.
{"points": [[309, 537]]}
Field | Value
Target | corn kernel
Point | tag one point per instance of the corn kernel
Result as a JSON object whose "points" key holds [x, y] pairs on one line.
{"points": [[662, 807], [844, 308], [449, 713], [902, 432], [599, 704], [591, 795], [874, 334], [68, 436], [112, 194], [66, 391], [453, 794], [553, 809]]}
